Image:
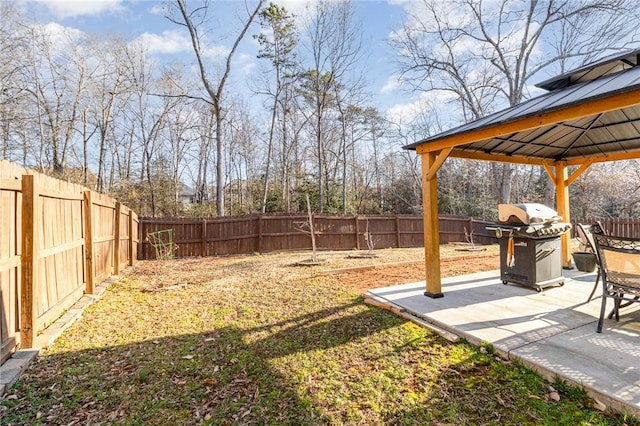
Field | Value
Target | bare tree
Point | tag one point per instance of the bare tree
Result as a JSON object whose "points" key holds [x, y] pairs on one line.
{"points": [[150, 117], [14, 46], [483, 56], [334, 44], [607, 190], [110, 90], [193, 21], [278, 41], [360, 130], [56, 81], [244, 159]]}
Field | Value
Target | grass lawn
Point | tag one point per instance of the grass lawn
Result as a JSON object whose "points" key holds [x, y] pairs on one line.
{"points": [[257, 340]]}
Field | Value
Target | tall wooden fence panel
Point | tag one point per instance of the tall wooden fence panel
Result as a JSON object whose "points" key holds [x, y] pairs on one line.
{"points": [[271, 233], [57, 246], [338, 232], [279, 233], [410, 231], [10, 249], [463, 229], [127, 239], [103, 213], [57, 239], [231, 236]]}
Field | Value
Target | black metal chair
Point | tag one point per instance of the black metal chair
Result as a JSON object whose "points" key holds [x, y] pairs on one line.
{"points": [[619, 260], [587, 244]]}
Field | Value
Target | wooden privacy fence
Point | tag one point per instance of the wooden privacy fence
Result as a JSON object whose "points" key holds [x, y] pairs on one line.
{"points": [[270, 233], [621, 227], [57, 241], [267, 233]]}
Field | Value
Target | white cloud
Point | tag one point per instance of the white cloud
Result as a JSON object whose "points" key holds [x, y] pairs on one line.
{"points": [[433, 103], [178, 41], [60, 40], [404, 113], [248, 69], [61, 36], [170, 41], [216, 52], [246, 57], [73, 8], [158, 9], [295, 7], [393, 84]]}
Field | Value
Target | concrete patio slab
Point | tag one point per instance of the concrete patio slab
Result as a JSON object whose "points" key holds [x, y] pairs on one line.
{"points": [[553, 331]]}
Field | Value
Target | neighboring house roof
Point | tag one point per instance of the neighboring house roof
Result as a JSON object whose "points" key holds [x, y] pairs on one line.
{"points": [[185, 190], [592, 112]]}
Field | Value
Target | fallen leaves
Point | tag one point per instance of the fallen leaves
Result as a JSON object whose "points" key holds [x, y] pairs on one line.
{"points": [[598, 405], [251, 340], [210, 381]]}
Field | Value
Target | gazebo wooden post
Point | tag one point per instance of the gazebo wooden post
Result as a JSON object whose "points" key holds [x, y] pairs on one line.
{"points": [[562, 206], [431, 226]]}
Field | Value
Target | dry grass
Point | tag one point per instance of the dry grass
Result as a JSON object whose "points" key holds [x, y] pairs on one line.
{"points": [[256, 340]]}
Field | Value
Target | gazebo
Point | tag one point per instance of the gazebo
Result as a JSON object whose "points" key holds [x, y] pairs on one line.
{"points": [[588, 115]]}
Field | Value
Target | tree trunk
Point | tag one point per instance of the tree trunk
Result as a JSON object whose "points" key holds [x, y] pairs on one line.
{"points": [[265, 187], [219, 163], [320, 165], [314, 257]]}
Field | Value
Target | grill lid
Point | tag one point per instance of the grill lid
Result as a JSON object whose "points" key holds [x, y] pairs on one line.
{"points": [[535, 231], [527, 214]]}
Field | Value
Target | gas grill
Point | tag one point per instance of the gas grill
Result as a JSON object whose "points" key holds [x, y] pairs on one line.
{"points": [[529, 238]]}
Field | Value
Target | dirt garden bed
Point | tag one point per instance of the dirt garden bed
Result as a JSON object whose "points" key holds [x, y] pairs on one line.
{"points": [[361, 279]]}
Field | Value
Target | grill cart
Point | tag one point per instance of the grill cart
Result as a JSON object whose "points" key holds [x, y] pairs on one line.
{"points": [[529, 238]]}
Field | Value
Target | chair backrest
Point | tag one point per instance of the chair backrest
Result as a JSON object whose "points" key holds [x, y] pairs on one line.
{"points": [[619, 259], [585, 237]]}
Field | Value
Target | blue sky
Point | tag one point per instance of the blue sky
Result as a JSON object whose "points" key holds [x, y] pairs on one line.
{"points": [[144, 20]]}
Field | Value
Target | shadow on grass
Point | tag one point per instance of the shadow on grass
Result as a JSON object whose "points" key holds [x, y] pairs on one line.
{"points": [[305, 365], [221, 376]]}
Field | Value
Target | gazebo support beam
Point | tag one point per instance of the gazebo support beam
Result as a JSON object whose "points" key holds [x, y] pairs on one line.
{"points": [[575, 175], [431, 161], [562, 206], [500, 158], [562, 181]]}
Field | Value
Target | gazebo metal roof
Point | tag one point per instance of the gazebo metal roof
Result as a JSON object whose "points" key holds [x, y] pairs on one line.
{"points": [[593, 111]]}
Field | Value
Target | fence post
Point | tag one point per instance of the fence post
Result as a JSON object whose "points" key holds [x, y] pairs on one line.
{"points": [[203, 249], [131, 253], [29, 261], [88, 241], [398, 230], [116, 240], [260, 224], [357, 233], [312, 225], [141, 240]]}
